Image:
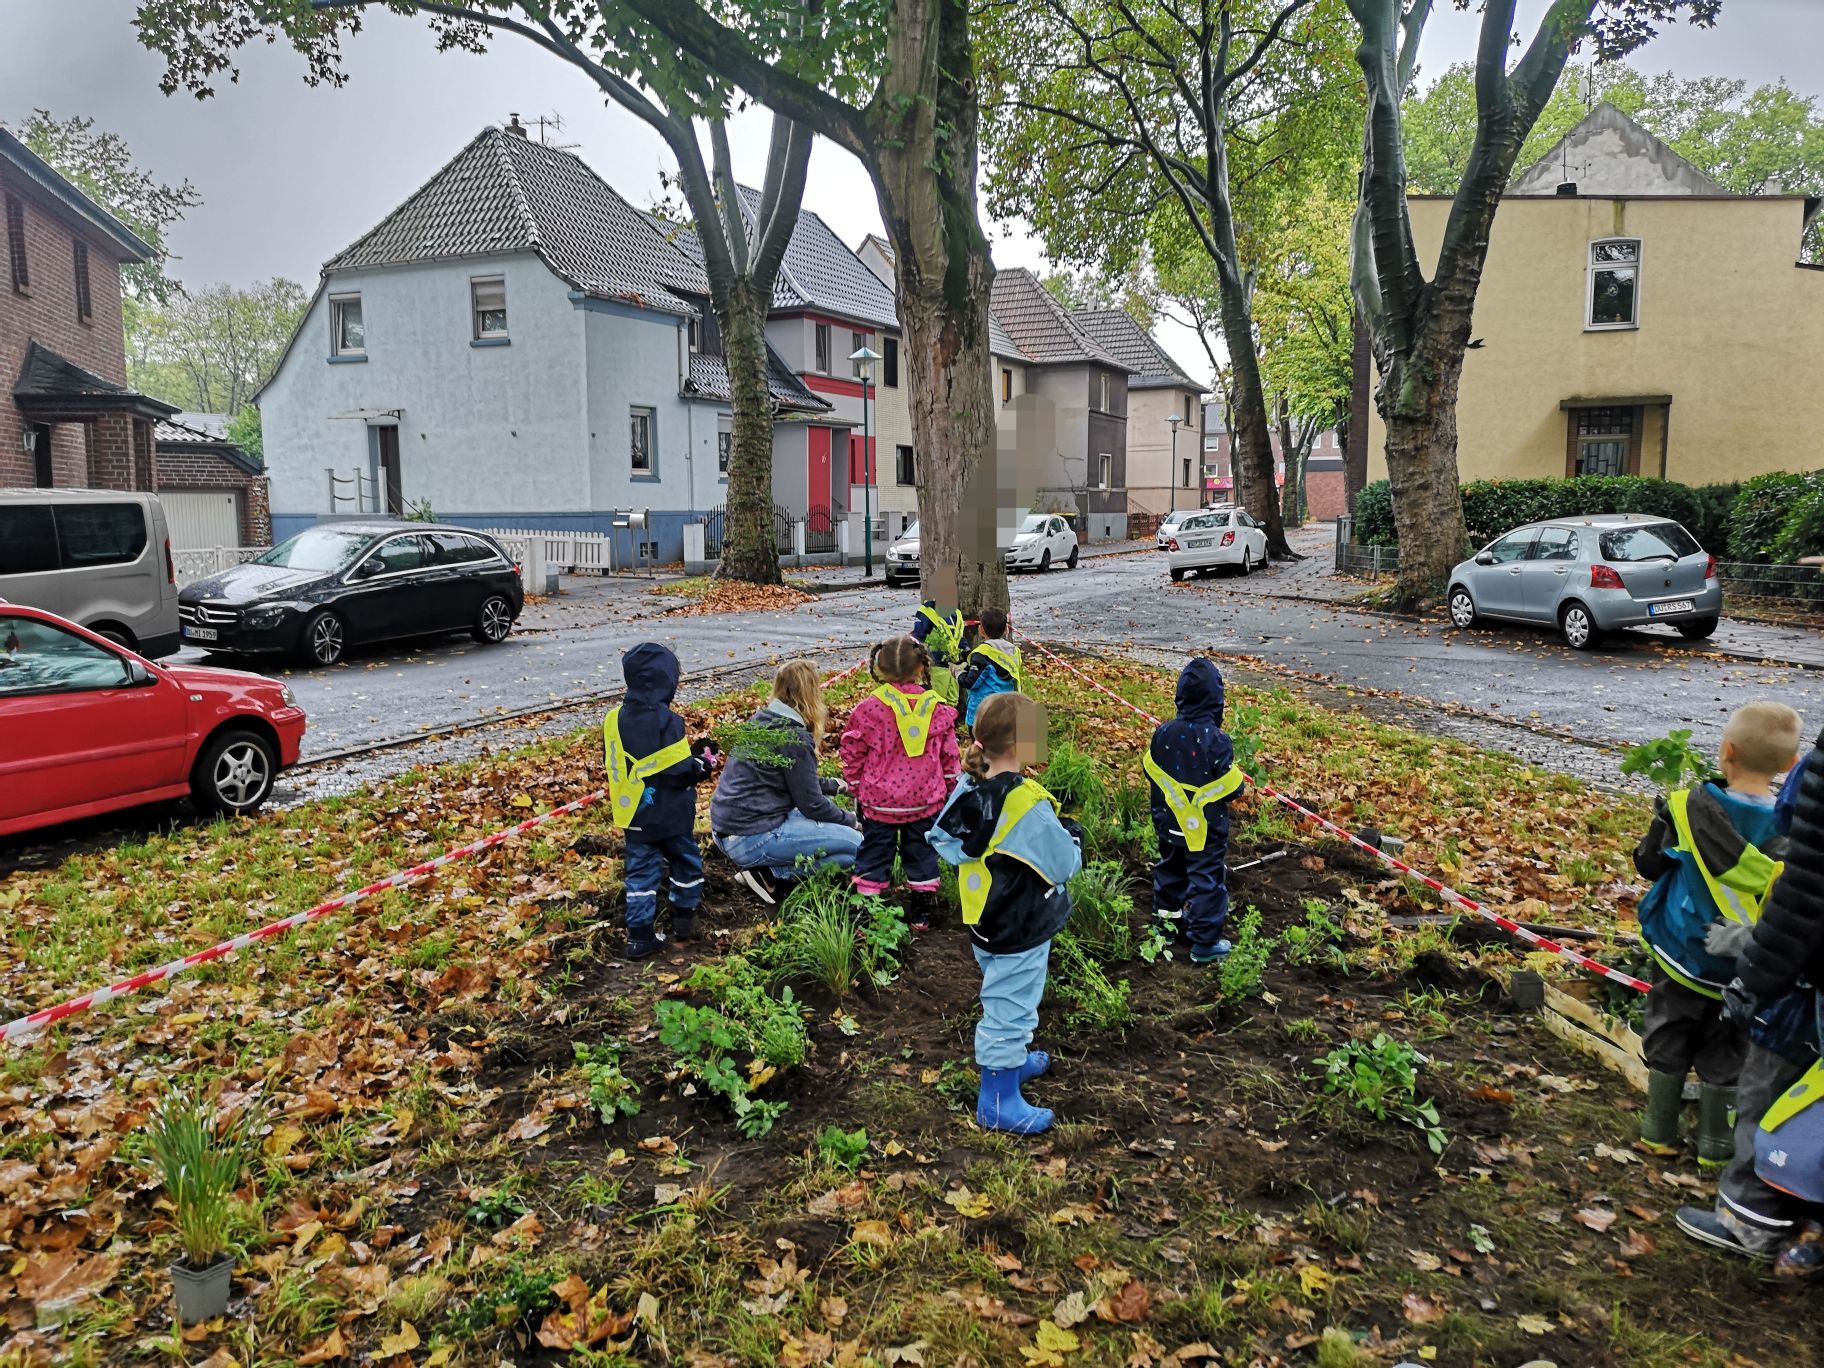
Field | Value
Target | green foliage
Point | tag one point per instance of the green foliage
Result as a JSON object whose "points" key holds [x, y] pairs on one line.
{"points": [[831, 935], [1244, 728], [1094, 1001], [611, 1092], [208, 350], [494, 1209], [1759, 513], [1382, 1078], [1374, 515], [245, 432], [421, 511], [1802, 533], [1671, 762], [738, 1018], [842, 1149], [1492, 507], [1101, 910], [1711, 528], [757, 743], [1075, 778], [1317, 940], [522, 1294], [199, 1157], [1239, 974]]}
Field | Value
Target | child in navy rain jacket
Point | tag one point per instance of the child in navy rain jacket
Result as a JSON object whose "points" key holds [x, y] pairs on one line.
{"points": [[1190, 769], [653, 773]]}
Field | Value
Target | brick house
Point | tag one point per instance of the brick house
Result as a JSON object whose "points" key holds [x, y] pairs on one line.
{"points": [[214, 493], [69, 417]]}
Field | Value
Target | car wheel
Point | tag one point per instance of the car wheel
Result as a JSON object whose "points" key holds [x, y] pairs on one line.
{"points": [[120, 636], [494, 621], [1071, 560], [1462, 607], [323, 639], [1698, 629], [1579, 628], [1177, 575], [234, 773], [1045, 560], [1247, 562]]}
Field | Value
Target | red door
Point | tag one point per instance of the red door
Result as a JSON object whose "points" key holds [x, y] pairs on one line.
{"points": [[817, 477]]}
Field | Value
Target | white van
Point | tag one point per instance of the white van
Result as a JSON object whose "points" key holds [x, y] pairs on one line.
{"points": [[99, 557]]}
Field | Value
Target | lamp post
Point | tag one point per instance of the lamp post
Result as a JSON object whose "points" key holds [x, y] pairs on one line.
{"points": [[864, 359], [1171, 474]]}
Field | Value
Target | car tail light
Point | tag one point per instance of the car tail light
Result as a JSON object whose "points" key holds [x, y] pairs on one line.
{"points": [[1228, 539], [1709, 567], [170, 565], [518, 569], [1602, 577], [1171, 544]]}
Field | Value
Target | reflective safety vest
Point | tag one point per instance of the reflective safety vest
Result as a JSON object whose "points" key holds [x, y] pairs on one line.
{"points": [[945, 638], [912, 714], [1187, 804], [973, 880], [1007, 657], [1739, 892], [627, 775], [1789, 1142]]}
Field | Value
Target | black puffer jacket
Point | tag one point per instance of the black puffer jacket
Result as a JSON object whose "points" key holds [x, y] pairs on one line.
{"points": [[1788, 940]]}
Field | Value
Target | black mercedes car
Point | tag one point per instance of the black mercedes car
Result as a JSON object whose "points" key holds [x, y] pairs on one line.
{"points": [[347, 583]]}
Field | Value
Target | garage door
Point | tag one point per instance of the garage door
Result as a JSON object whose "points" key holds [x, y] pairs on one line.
{"points": [[202, 518]]}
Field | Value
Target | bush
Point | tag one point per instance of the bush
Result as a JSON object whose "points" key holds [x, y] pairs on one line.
{"points": [[1759, 513], [1374, 515], [1712, 527], [1802, 534]]}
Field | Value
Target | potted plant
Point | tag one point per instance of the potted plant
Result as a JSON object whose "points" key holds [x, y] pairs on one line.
{"points": [[199, 1159]]}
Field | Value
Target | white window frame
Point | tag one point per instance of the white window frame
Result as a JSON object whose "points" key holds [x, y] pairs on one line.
{"points": [[1589, 285], [1105, 470], [725, 449], [822, 347], [858, 369], [480, 333], [1106, 387], [635, 412], [337, 303]]}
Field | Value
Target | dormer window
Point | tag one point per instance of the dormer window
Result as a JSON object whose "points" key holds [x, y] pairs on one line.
{"points": [[1614, 285]]}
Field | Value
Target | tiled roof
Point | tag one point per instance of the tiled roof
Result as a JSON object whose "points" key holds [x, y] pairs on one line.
{"points": [[174, 432], [1130, 344], [506, 193], [129, 246], [820, 272], [49, 380], [1041, 327], [709, 380], [212, 425]]}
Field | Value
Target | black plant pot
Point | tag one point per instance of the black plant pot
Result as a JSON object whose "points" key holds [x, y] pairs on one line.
{"points": [[202, 1294]]}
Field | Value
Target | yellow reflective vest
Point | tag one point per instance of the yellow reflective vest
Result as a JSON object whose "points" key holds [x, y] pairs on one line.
{"points": [[1739, 892], [973, 879], [912, 714], [627, 774], [945, 638], [1007, 657], [1188, 804]]}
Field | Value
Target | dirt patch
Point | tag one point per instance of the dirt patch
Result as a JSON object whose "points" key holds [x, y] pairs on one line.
{"points": [[729, 596]]}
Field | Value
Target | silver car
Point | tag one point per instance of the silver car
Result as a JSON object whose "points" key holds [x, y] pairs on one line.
{"points": [[1591, 575], [900, 564]]}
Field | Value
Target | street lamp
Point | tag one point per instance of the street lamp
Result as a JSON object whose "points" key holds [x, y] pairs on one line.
{"points": [[864, 359], [1171, 473]]}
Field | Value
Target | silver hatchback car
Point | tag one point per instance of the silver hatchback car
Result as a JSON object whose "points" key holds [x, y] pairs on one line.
{"points": [[1591, 575]]}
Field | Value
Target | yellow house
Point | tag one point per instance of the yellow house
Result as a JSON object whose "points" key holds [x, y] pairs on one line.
{"points": [[1634, 318]]}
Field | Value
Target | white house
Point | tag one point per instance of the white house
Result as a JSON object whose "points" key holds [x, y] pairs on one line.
{"points": [[515, 345]]}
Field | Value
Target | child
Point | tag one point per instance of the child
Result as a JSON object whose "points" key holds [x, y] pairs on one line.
{"points": [[1707, 853], [1190, 769], [940, 632], [652, 777], [1014, 859], [994, 664], [900, 760]]}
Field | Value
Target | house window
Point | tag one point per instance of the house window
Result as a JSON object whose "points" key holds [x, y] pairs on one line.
{"points": [[823, 348], [1187, 410], [1603, 441], [1614, 293], [489, 298], [725, 448], [1006, 385], [1187, 472], [15, 243], [1106, 407], [640, 451], [890, 365], [85, 304], [1105, 467], [859, 369], [904, 471], [694, 330], [347, 335]]}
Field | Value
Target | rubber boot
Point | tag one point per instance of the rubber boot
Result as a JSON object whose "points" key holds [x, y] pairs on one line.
{"points": [[1715, 1127], [999, 1106], [643, 942], [920, 909], [683, 924], [1037, 1061], [1659, 1119]]}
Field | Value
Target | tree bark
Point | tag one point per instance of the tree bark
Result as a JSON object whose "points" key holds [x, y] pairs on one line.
{"points": [[1290, 493], [1252, 453], [750, 551], [1422, 469]]}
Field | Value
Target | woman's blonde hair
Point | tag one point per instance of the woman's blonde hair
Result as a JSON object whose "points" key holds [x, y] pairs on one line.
{"points": [[1000, 722], [798, 687], [899, 660]]}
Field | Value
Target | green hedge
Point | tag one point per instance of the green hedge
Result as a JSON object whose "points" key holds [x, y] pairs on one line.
{"points": [[1772, 518]]}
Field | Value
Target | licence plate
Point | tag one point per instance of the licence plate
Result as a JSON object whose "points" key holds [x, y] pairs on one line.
{"points": [[1198, 545], [202, 634], [1671, 606]]}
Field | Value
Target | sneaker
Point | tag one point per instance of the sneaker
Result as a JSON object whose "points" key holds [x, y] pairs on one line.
{"points": [[1706, 1227], [1211, 954], [761, 883]]}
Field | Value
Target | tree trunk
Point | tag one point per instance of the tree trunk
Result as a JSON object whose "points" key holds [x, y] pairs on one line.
{"points": [[1290, 507], [1252, 455], [1422, 468], [750, 551]]}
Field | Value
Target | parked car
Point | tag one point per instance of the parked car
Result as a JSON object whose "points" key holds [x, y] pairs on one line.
{"points": [[1214, 538], [90, 727], [1043, 540], [1589, 576], [347, 583], [100, 558], [1169, 524], [900, 564]]}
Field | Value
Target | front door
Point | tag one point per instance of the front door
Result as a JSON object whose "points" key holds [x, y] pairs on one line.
{"points": [[43, 472], [817, 473], [1499, 588], [386, 595], [392, 486]]}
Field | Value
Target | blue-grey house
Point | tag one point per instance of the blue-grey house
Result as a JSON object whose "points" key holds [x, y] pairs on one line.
{"points": [[515, 346]]}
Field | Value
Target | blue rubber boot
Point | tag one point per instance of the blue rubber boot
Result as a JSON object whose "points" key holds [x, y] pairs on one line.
{"points": [[1211, 954], [1037, 1061], [1000, 1107]]}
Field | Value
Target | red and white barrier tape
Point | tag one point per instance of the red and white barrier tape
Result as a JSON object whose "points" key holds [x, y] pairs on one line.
{"points": [[29, 1025], [1449, 894]]}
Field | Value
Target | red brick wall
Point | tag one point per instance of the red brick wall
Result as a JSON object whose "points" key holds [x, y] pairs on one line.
{"points": [[182, 469], [1325, 498], [48, 314]]}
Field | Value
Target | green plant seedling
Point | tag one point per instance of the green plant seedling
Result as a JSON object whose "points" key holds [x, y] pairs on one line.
{"points": [[1667, 761], [842, 1149], [199, 1160], [1240, 974], [611, 1092], [1382, 1078]]}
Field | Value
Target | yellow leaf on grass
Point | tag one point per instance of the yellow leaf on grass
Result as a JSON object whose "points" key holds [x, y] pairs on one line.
{"points": [[1050, 1344], [325, 1350], [521, 800], [402, 1342], [1534, 1325], [283, 1140], [872, 1233], [1313, 1279], [968, 1203], [440, 1356]]}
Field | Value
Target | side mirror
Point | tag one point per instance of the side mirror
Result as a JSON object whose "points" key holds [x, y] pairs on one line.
{"points": [[138, 676], [1485, 558], [367, 569]]}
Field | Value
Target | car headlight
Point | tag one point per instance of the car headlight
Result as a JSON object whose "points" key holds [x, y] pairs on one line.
{"points": [[268, 615], [287, 696]]}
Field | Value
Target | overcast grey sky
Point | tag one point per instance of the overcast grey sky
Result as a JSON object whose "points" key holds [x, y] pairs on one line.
{"points": [[290, 174]]}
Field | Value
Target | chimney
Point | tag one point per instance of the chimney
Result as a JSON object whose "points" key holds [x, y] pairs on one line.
{"points": [[1568, 189], [514, 126]]}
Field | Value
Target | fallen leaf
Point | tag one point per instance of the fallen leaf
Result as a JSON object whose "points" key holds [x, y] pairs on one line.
{"points": [[968, 1203], [1636, 1244], [324, 1350], [1072, 1310], [59, 1281], [1313, 1280], [1050, 1344], [529, 1127], [1420, 1310], [1127, 1304], [1595, 1218], [833, 1310], [1425, 1263], [1534, 1325], [402, 1341], [872, 1233]]}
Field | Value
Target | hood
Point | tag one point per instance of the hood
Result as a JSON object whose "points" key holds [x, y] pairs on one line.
{"points": [[1199, 695], [213, 676], [247, 583], [651, 672]]}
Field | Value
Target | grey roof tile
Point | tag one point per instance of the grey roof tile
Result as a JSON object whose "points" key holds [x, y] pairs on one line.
{"points": [[1150, 366], [1041, 327], [820, 272], [709, 380]]}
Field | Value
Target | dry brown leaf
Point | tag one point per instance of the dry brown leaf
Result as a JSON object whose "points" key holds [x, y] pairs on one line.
{"points": [[1129, 1303], [1420, 1310], [325, 1350], [61, 1280], [1596, 1218]]}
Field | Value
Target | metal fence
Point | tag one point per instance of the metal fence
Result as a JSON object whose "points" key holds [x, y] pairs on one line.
{"points": [[200, 564], [819, 531], [1788, 588], [1362, 560]]}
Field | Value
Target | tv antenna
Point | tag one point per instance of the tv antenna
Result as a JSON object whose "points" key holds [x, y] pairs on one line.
{"points": [[552, 123]]}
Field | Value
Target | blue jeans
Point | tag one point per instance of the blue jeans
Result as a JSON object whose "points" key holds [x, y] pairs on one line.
{"points": [[1011, 988], [645, 864], [797, 835]]}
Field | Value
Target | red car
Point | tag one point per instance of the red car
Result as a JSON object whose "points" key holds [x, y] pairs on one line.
{"points": [[87, 726]]}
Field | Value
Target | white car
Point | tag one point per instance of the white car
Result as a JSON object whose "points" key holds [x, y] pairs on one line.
{"points": [[900, 564], [1215, 537], [1043, 540], [1169, 523]]}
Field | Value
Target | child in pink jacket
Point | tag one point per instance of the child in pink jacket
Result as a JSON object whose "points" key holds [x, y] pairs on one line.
{"points": [[900, 760]]}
